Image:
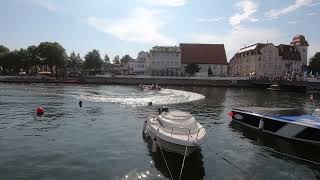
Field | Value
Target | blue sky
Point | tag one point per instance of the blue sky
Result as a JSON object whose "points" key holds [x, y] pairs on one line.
{"points": [[129, 26]]}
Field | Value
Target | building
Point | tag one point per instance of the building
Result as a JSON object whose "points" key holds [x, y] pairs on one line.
{"points": [[140, 66], [165, 61], [268, 59], [211, 58]]}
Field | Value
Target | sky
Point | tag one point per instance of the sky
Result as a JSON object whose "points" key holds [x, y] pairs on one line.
{"points": [[119, 27]]}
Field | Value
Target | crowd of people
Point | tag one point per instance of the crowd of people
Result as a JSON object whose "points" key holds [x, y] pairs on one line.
{"points": [[285, 77]]}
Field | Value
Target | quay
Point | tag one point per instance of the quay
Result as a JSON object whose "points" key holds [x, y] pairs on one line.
{"points": [[308, 84]]}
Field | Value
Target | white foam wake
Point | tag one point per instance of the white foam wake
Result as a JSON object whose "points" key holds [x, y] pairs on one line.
{"points": [[162, 97]]}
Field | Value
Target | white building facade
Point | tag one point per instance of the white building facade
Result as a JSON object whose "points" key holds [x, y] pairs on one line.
{"points": [[165, 61], [269, 60]]}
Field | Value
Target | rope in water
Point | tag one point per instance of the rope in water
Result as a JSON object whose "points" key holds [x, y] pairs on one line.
{"points": [[184, 158], [232, 164], [292, 156], [164, 157], [251, 177]]}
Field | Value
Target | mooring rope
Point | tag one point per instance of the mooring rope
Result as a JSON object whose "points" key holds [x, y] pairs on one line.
{"points": [[184, 158], [229, 162], [292, 156], [165, 161]]}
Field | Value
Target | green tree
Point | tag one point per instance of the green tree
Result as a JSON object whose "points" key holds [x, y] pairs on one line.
{"points": [[192, 69], [92, 60], [4, 49], [23, 61], [33, 57], [315, 63], [125, 59], [116, 60], [106, 59], [53, 55], [79, 61]]}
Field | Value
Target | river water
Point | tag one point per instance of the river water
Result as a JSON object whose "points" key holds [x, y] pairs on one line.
{"points": [[103, 139]]}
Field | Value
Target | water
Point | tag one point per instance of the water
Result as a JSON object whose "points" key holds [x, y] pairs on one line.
{"points": [[103, 140]]}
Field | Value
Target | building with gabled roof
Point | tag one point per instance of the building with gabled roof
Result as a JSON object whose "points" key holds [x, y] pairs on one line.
{"points": [[268, 59], [211, 58]]}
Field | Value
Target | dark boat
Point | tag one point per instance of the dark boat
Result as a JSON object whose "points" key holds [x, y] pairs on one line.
{"points": [[275, 87], [290, 123], [153, 87]]}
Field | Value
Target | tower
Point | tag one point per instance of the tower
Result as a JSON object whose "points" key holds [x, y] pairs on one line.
{"points": [[301, 45]]}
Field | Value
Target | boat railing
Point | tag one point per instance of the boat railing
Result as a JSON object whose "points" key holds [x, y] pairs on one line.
{"points": [[173, 128], [187, 130]]}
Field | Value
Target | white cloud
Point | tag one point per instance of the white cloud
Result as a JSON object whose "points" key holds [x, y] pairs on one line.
{"points": [[172, 3], [314, 4], [141, 26], [45, 4], [275, 13], [247, 8], [238, 38], [292, 22], [312, 14], [209, 20]]}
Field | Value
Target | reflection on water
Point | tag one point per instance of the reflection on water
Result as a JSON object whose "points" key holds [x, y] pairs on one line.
{"points": [[193, 168], [281, 145]]}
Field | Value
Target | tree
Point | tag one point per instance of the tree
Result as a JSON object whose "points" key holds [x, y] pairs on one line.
{"points": [[23, 60], [79, 61], [210, 71], [33, 57], [125, 59], [106, 59], [92, 60], [315, 63], [4, 49], [192, 69], [116, 60], [53, 55]]}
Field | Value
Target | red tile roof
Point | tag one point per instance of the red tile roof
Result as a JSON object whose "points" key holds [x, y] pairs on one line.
{"points": [[203, 54]]}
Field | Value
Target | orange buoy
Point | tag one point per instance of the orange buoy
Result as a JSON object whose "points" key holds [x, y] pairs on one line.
{"points": [[39, 111]]}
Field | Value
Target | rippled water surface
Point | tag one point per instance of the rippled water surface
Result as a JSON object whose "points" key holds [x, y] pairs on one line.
{"points": [[103, 140]]}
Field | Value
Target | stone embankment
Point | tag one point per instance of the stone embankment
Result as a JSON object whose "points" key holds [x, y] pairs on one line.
{"points": [[309, 84]]}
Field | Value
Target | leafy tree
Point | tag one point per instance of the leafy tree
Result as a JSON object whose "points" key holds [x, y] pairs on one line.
{"points": [[116, 60], [33, 56], [79, 61], [125, 59], [315, 62], [22, 61], [192, 69], [92, 60], [106, 59], [209, 71], [3, 56], [4, 49], [53, 55]]}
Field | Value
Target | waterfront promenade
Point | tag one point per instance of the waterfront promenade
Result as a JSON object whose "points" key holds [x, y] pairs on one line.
{"points": [[310, 83]]}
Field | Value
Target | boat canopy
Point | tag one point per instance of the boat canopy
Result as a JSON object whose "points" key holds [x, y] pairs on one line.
{"points": [[178, 119]]}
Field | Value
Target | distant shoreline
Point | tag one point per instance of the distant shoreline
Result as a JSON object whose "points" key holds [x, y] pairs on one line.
{"points": [[239, 82]]}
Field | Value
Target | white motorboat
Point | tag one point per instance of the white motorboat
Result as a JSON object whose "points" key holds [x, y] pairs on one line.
{"points": [[175, 131]]}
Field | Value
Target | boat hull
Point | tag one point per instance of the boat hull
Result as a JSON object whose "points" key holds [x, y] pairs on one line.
{"points": [[170, 147], [278, 128]]}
